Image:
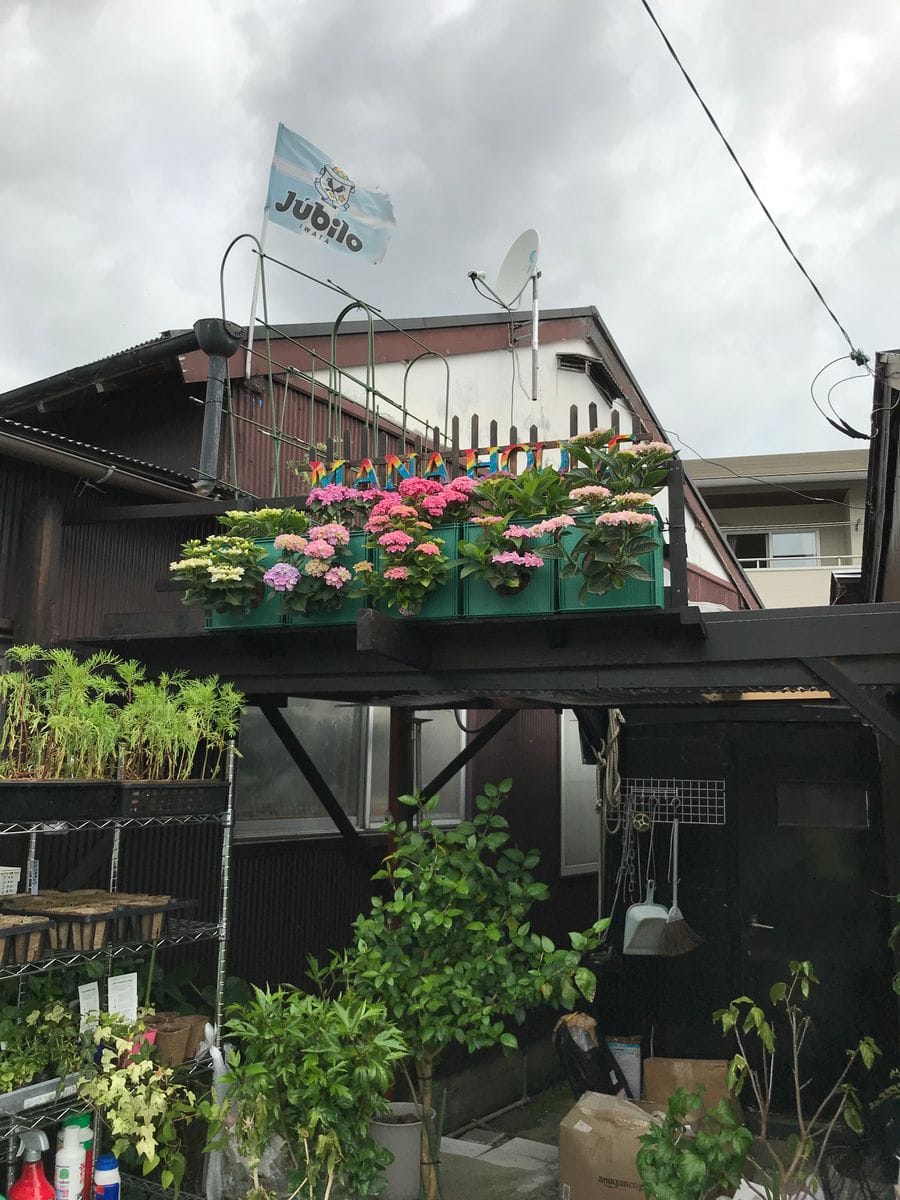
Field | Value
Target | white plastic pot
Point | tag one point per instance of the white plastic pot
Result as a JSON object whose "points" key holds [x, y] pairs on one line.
{"points": [[404, 1141]]}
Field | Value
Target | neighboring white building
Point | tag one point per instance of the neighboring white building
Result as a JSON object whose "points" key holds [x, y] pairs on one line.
{"points": [[795, 521]]}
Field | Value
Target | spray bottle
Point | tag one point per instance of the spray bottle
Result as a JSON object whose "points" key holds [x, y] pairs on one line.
{"points": [[68, 1173], [84, 1121], [32, 1183]]}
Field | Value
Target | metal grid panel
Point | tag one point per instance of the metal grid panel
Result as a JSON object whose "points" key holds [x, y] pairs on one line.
{"points": [[692, 801]]}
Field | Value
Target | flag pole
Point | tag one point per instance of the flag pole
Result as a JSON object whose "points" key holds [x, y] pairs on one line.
{"points": [[248, 362]]}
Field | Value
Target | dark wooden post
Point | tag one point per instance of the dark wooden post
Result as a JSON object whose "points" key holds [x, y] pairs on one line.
{"points": [[400, 766], [678, 576], [41, 564]]}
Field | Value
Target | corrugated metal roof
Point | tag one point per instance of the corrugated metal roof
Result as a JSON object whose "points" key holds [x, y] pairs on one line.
{"points": [[96, 452], [817, 464]]}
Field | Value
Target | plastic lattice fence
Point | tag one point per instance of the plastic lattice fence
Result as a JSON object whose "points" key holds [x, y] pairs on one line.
{"points": [[692, 801]]}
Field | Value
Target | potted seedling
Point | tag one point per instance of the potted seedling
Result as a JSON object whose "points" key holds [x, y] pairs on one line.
{"points": [[792, 1168]]}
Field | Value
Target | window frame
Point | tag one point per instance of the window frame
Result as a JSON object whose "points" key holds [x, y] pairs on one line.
{"points": [[292, 828], [771, 563], [566, 867]]}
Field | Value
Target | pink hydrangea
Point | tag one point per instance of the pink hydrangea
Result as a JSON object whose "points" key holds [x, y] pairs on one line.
{"points": [[332, 533], [492, 520], [395, 541], [462, 483], [396, 573], [319, 548], [315, 567], [517, 560], [336, 577], [428, 548], [330, 493], [386, 504], [520, 531], [626, 517], [434, 505], [292, 542], [400, 511], [651, 447], [377, 523], [540, 528], [591, 491], [415, 487], [282, 577]]}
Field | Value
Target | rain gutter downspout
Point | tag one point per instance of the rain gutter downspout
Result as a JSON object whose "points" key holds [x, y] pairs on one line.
{"points": [[76, 464], [218, 339]]}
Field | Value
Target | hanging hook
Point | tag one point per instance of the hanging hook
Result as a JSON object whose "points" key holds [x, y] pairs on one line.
{"points": [[409, 366]]}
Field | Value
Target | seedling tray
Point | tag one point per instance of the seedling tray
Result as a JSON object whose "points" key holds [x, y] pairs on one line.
{"points": [[77, 920], [36, 1095], [188, 797], [146, 918], [23, 939], [57, 799]]}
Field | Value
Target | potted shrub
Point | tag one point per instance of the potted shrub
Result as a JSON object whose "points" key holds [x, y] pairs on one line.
{"points": [[451, 953], [312, 1072], [410, 570], [792, 1168], [313, 577], [502, 557], [224, 572]]}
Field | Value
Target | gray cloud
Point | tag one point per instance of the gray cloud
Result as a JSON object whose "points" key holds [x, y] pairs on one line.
{"points": [[136, 141]]}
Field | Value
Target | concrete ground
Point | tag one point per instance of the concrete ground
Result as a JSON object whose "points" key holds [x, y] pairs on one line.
{"points": [[512, 1155]]}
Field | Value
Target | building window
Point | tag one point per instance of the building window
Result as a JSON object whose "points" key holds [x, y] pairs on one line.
{"points": [[823, 805], [580, 830], [349, 743], [776, 548]]}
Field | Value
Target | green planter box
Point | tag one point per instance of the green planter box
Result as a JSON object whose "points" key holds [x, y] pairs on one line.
{"points": [[350, 609], [481, 600], [443, 602], [637, 593], [266, 615]]}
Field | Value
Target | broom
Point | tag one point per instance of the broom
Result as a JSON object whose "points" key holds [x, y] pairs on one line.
{"points": [[677, 935]]}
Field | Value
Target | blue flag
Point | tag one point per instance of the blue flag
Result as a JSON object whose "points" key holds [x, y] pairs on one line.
{"points": [[308, 193]]}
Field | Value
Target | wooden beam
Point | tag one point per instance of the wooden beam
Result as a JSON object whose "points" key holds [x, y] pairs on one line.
{"points": [[678, 576], [400, 641], [310, 772], [869, 707], [469, 751]]}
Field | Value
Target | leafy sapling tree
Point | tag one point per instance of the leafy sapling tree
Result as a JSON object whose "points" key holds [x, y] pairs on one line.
{"points": [[788, 1169], [451, 953]]}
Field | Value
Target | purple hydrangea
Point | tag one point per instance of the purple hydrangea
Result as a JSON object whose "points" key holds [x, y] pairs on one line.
{"points": [[282, 577]]}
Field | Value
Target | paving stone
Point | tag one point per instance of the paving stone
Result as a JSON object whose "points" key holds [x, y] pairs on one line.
{"points": [[463, 1147], [531, 1149]]}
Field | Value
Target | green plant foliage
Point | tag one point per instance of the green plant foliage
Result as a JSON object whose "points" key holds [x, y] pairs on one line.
{"points": [[678, 1161], [643, 467], [264, 522], [534, 493], [316, 1072], [451, 952], [222, 573], [70, 718], [784, 1168]]}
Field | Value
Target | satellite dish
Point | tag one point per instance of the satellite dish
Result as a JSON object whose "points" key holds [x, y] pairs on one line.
{"points": [[518, 267]]}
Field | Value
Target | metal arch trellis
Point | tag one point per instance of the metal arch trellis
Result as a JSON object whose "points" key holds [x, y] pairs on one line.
{"points": [[335, 374], [409, 366]]}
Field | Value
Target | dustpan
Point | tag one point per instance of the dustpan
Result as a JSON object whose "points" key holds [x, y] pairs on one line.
{"points": [[644, 924]]}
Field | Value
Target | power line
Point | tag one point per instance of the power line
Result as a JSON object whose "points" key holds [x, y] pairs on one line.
{"points": [[840, 424], [858, 356], [781, 487]]}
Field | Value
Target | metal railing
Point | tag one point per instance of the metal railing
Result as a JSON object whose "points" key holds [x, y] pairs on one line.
{"points": [[800, 562]]}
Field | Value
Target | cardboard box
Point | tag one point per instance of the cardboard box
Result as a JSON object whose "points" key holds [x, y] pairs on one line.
{"points": [[663, 1076], [598, 1145]]}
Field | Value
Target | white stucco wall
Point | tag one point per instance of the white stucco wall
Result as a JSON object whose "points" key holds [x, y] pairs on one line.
{"points": [[482, 384]]}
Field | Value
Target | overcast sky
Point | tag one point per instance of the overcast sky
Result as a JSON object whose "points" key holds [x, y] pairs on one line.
{"points": [[136, 140]]}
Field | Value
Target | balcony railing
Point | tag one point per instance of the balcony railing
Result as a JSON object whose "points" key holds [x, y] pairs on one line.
{"points": [[800, 562]]}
